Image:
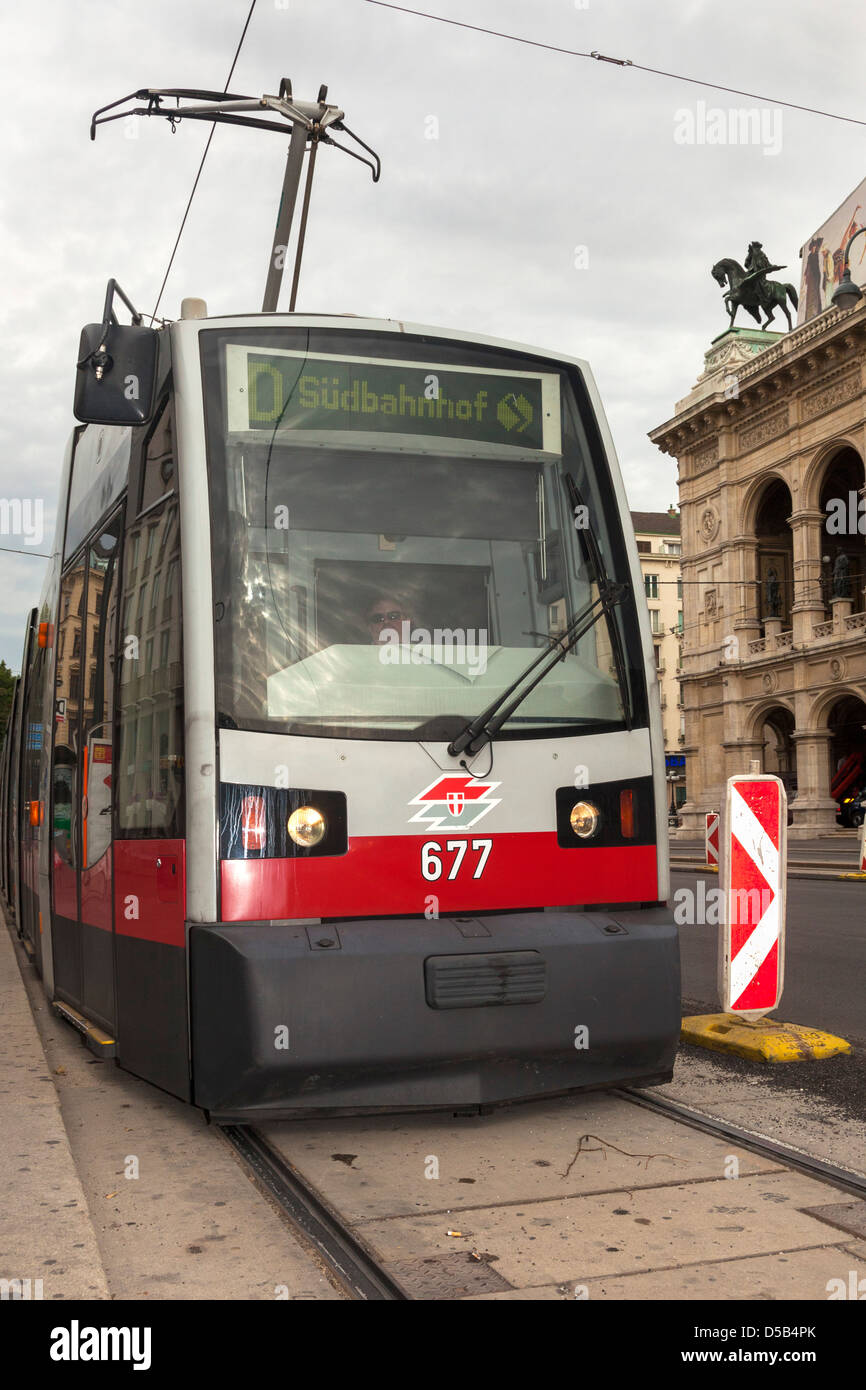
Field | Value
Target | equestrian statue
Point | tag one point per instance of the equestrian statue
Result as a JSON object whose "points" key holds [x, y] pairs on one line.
{"points": [[751, 290]]}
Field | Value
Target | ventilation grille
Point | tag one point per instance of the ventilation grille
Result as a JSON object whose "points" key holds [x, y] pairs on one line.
{"points": [[471, 982]]}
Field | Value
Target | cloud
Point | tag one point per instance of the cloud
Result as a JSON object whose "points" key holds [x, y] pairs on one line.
{"points": [[537, 154]]}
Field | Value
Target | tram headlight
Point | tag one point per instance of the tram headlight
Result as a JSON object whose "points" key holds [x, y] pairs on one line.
{"points": [[306, 826], [585, 818]]}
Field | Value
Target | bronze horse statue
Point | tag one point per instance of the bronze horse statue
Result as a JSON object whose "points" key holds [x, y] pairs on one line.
{"points": [[753, 292]]}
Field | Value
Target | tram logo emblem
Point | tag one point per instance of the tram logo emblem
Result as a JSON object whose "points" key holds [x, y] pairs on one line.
{"points": [[454, 803]]}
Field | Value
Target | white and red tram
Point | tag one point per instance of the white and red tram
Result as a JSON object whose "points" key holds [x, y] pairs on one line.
{"points": [[335, 776]]}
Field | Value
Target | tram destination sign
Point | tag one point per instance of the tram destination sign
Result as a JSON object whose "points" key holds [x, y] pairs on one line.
{"points": [[283, 390]]}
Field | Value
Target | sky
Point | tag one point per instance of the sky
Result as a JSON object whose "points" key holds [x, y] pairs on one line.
{"points": [[530, 195]]}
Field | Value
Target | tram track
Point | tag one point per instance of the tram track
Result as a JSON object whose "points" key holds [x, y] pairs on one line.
{"points": [[363, 1277], [348, 1259], [843, 1178]]}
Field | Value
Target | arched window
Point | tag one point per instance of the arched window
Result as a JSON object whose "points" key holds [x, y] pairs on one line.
{"points": [[843, 539], [775, 553]]}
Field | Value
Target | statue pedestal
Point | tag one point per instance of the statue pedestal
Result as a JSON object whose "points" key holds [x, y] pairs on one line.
{"points": [[726, 355], [841, 610], [805, 617], [772, 630]]}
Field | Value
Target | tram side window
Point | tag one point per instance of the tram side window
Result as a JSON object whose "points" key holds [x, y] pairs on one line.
{"points": [[68, 686], [158, 474], [97, 707], [149, 765], [31, 752]]}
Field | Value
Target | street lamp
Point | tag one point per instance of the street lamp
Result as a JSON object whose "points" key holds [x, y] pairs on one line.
{"points": [[846, 294]]}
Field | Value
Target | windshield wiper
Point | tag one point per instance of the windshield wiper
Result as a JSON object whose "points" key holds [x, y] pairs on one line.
{"points": [[486, 725]]}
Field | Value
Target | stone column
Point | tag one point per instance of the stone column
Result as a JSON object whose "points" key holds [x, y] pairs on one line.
{"points": [[691, 814], [740, 753], [814, 808], [748, 624], [807, 528], [841, 610], [772, 630]]}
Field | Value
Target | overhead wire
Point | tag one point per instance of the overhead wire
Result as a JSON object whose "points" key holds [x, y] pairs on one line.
{"points": [[618, 62], [201, 166], [658, 72], [43, 555]]}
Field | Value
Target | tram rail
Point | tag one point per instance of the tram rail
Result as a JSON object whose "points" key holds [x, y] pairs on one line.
{"points": [[354, 1266], [843, 1178], [362, 1276]]}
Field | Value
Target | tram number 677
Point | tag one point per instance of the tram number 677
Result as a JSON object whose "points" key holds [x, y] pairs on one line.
{"points": [[432, 865]]}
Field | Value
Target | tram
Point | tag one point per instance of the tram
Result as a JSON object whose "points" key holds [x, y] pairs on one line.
{"points": [[334, 779]]}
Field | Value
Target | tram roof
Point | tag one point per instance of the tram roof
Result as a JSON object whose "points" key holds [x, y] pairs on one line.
{"points": [[356, 322]]}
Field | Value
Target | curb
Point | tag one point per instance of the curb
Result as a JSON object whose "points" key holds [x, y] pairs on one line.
{"points": [[852, 875], [765, 1040]]}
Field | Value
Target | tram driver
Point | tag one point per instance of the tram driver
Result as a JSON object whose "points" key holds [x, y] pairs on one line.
{"points": [[385, 617]]}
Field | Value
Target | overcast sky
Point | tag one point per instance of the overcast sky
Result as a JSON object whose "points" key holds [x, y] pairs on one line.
{"points": [[556, 207]]}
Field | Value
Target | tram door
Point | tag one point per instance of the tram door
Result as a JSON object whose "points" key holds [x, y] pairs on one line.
{"points": [[82, 779], [28, 805]]}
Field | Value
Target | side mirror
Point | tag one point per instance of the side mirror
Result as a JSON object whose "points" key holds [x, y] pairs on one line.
{"points": [[115, 379]]}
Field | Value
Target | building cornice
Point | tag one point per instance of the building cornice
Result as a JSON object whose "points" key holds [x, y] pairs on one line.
{"points": [[812, 356]]}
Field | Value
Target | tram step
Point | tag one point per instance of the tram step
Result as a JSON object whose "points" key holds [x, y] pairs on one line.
{"points": [[100, 1044]]}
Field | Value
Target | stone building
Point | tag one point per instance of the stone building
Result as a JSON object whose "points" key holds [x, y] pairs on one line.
{"points": [[659, 547], [770, 445]]}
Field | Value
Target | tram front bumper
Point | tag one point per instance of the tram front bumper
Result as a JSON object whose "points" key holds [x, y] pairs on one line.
{"points": [[388, 1014]]}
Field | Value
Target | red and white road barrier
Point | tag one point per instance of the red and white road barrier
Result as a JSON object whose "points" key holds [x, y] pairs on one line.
{"points": [[753, 874], [712, 837]]}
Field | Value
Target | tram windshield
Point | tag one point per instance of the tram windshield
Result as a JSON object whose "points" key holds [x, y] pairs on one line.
{"points": [[394, 538]]}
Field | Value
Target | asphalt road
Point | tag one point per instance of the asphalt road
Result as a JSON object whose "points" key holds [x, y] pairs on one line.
{"points": [[825, 955]]}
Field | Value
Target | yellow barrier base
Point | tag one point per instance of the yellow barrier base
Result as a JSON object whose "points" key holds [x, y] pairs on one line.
{"points": [[766, 1040]]}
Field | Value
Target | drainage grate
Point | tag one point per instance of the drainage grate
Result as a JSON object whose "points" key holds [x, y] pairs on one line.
{"points": [[447, 1276]]}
